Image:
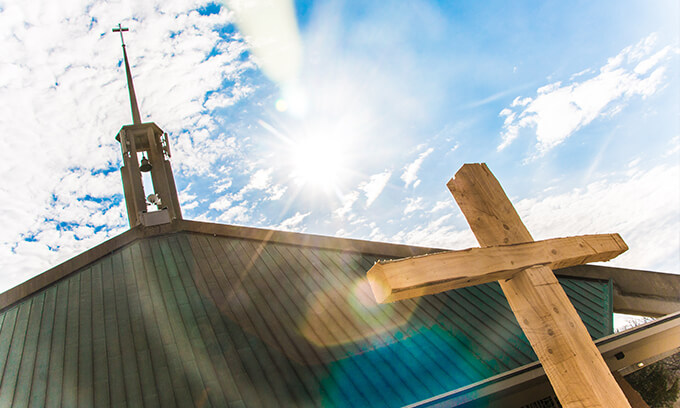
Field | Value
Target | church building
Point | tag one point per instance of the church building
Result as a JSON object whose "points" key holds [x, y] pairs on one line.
{"points": [[180, 313]]}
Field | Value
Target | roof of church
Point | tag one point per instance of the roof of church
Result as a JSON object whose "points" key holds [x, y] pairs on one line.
{"points": [[212, 315]]}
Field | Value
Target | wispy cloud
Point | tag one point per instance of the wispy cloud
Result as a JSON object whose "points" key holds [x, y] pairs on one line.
{"points": [[235, 214], [373, 187], [187, 200], [221, 204], [293, 223], [560, 109], [410, 174], [261, 181], [437, 233], [347, 201], [413, 204], [444, 204]]}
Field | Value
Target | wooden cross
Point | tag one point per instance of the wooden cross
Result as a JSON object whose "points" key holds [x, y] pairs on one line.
{"points": [[523, 267]]}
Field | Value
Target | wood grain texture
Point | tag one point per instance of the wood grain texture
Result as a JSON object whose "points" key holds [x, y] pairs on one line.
{"points": [[571, 361], [429, 274]]}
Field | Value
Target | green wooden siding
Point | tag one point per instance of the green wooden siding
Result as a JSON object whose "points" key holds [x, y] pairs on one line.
{"points": [[196, 320]]}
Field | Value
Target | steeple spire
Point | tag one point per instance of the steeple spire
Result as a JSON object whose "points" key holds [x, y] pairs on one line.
{"points": [[131, 88], [148, 142]]}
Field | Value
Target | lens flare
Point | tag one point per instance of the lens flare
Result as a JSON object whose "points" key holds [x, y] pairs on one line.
{"points": [[281, 105], [336, 318]]}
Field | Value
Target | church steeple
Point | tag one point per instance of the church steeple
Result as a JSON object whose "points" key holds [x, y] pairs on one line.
{"points": [[149, 141]]}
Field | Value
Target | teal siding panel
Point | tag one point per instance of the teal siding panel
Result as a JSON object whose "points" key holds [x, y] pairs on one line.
{"points": [[593, 302], [28, 355], [299, 382], [281, 286], [185, 331], [300, 295], [114, 357], [366, 379], [216, 292], [100, 358], [133, 390], [238, 283], [164, 385], [55, 373], [69, 396], [353, 281], [134, 262], [184, 292], [176, 340], [6, 333], [8, 386], [42, 360], [85, 353]]}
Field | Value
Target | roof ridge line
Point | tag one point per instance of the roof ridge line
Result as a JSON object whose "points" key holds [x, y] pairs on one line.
{"points": [[62, 270]]}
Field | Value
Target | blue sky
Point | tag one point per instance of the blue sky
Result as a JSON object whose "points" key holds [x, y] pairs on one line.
{"points": [[345, 118]]}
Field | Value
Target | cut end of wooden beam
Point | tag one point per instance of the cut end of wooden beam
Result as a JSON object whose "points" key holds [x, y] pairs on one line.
{"points": [[617, 238], [379, 286], [467, 168], [479, 193]]}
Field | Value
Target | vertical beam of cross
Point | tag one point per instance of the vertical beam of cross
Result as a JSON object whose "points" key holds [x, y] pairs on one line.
{"points": [[134, 107], [574, 366]]}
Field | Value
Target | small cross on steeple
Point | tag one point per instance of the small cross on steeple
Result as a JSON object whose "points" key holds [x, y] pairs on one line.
{"points": [[136, 118], [120, 30]]}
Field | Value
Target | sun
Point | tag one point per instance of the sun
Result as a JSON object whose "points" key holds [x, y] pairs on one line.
{"points": [[318, 160]]}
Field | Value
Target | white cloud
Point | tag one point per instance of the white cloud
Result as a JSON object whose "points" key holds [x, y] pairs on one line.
{"points": [[674, 146], [444, 204], [643, 206], [222, 100], [260, 180], [187, 201], [235, 214], [375, 186], [276, 192], [190, 206], [348, 201], [410, 173], [438, 233], [376, 234], [413, 204], [292, 223], [222, 186], [559, 109], [220, 204]]}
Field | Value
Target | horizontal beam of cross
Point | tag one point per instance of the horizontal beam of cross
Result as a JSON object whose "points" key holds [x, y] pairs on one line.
{"points": [[429, 274]]}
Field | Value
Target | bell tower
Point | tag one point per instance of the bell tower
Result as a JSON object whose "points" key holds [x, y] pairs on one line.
{"points": [[151, 143]]}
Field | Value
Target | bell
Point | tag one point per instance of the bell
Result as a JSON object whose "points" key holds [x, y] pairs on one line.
{"points": [[144, 165]]}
